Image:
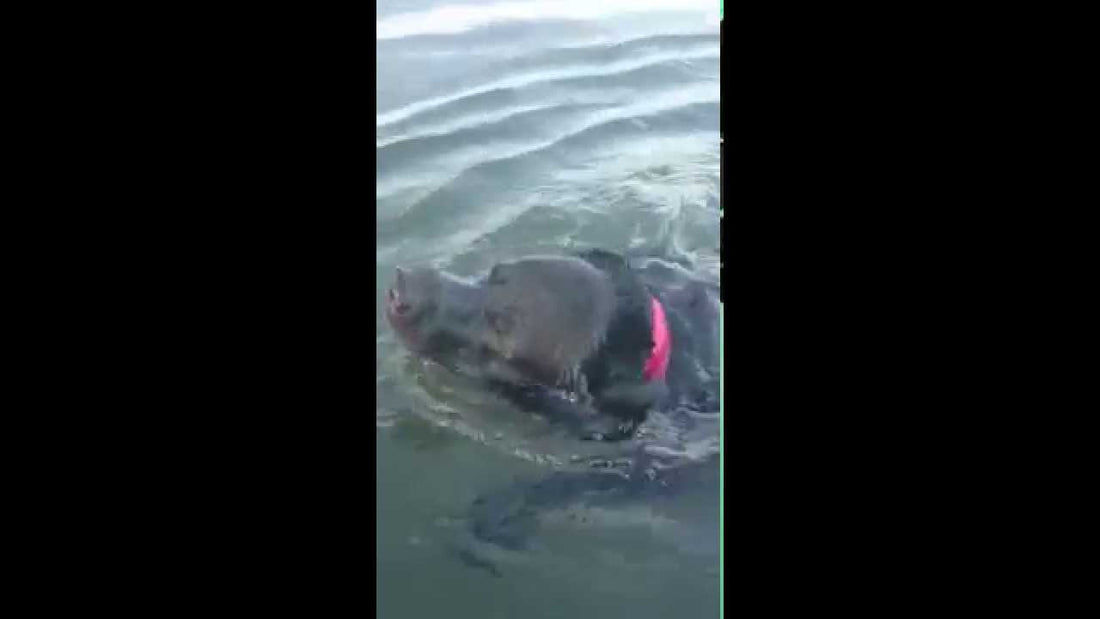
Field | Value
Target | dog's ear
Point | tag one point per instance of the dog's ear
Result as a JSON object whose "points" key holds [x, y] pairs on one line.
{"points": [[498, 275]]}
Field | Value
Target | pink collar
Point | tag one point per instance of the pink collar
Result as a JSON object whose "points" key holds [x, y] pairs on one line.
{"points": [[657, 364]]}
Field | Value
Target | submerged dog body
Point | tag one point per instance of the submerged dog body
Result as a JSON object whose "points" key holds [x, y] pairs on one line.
{"points": [[587, 340]]}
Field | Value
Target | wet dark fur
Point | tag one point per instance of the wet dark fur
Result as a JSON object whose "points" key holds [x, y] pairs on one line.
{"points": [[604, 397], [573, 353], [508, 518], [612, 374]]}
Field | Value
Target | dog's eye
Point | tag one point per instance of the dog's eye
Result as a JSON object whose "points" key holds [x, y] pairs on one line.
{"points": [[498, 321], [492, 319]]}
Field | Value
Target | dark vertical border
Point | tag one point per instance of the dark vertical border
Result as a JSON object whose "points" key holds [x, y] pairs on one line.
{"points": [[233, 460]]}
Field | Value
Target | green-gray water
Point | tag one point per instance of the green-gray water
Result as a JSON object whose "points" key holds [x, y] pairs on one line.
{"points": [[499, 135]]}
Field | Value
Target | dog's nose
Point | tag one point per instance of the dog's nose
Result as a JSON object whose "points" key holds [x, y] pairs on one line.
{"points": [[397, 292]]}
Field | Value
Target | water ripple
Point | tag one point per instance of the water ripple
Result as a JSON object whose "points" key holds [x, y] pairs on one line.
{"points": [[457, 18], [402, 113], [464, 196], [499, 103]]}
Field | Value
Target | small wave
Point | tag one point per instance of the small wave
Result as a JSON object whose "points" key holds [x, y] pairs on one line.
{"points": [[456, 18], [464, 196], [407, 111], [602, 53], [464, 122], [517, 128], [499, 103], [657, 113]]}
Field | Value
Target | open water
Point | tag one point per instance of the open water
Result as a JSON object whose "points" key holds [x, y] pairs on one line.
{"points": [[510, 128]]}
